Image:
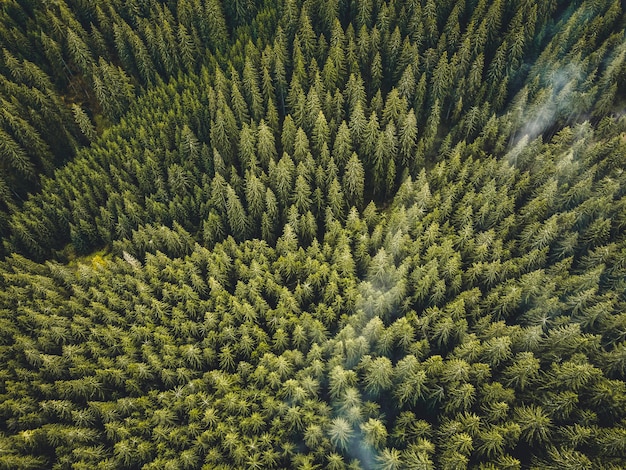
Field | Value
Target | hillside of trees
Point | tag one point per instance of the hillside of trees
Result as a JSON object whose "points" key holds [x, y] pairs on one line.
{"points": [[313, 234]]}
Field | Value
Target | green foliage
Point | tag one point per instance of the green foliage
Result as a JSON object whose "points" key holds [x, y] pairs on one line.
{"points": [[312, 234]]}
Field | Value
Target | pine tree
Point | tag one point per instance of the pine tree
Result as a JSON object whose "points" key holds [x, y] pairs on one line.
{"points": [[340, 433], [321, 132], [266, 144], [407, 137], [14, 156], [187, 47], [376, 72], [79, 52], [282, 177], [237, 218], [534, 423], [252, 90], [248, 148], [239, 105], [301, 146], [255, 196], [342, 148], [354, 181], [336, 199], [301, 194], [378, 375]]}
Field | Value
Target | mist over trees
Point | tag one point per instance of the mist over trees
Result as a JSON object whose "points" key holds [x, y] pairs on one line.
{"points": [[312, 234]]}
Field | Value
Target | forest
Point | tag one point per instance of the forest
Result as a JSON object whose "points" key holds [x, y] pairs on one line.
{"points": [[313, 234]]}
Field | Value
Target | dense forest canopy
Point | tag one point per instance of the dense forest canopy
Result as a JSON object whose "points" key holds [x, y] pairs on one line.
{"points": [[331, 234]]}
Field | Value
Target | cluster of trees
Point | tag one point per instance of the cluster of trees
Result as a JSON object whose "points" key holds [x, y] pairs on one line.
{"points": [[450, 330], [333, 234], [69, 69], [289, 128]]}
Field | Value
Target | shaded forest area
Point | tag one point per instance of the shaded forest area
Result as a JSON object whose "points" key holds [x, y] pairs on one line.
{"points": [[313, 234]]}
